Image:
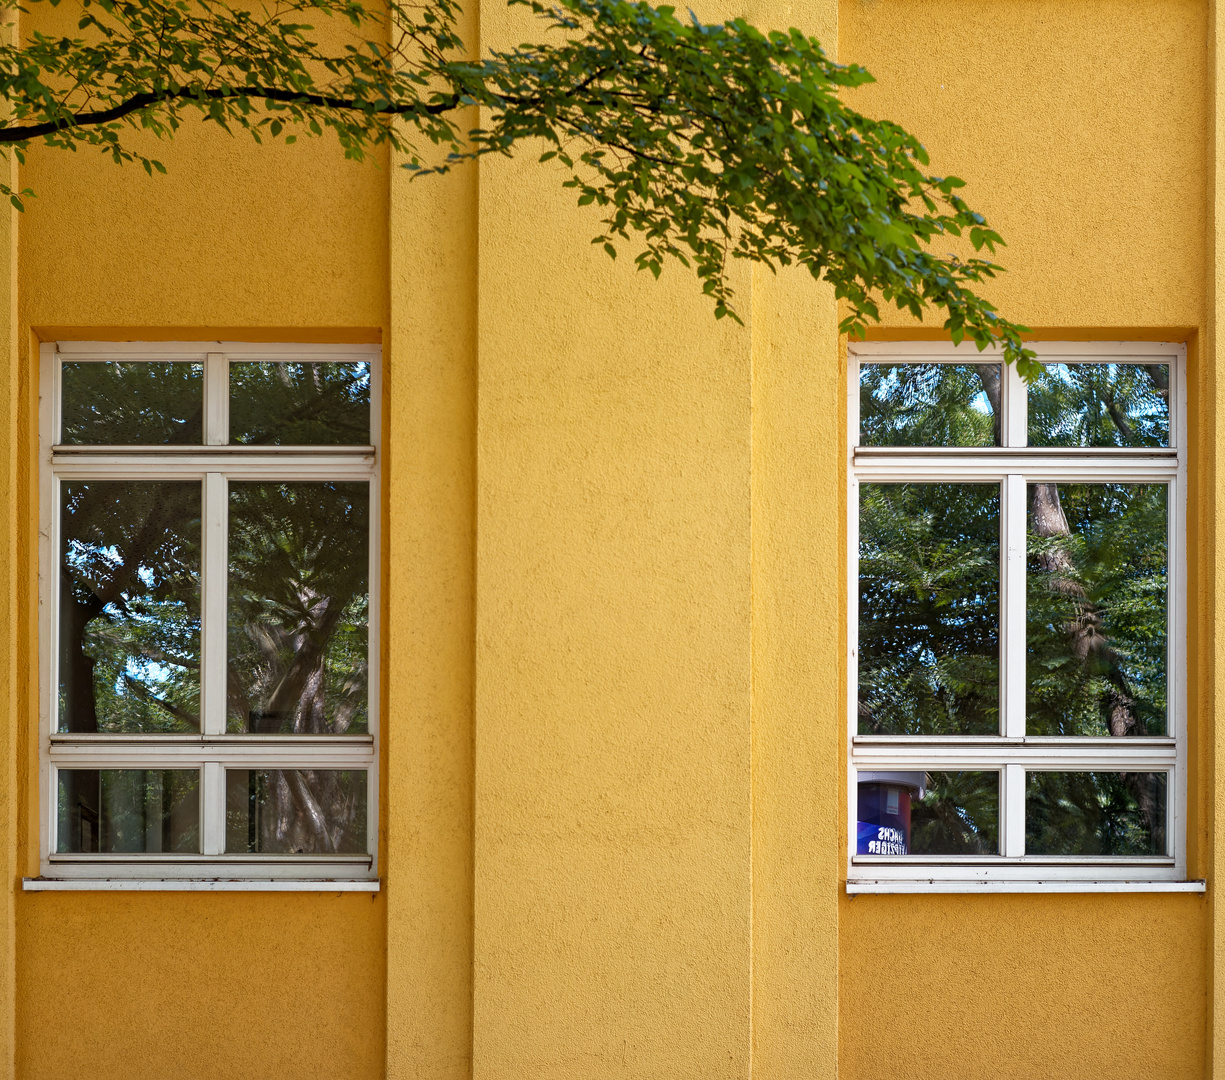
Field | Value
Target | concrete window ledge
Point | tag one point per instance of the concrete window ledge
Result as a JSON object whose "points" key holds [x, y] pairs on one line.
{"points": [[857, 888], [198, 885]]}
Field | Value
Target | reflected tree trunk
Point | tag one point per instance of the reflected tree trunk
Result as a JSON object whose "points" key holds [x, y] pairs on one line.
{"points": [[989, 376], [1088, 643]]}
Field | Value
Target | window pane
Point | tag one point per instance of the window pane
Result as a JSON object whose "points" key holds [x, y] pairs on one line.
{"points": [[929, 609], [929, 404], [1100, 405], [936, 813], [132, 403], [129, 811], [295, 811], [298, 602], [284, 404], [1096, 609], [129, 618], [1095, 813]]}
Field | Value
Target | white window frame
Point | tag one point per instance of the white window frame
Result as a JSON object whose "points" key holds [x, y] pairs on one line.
{"points": [[1011, 753], [211, 751]]}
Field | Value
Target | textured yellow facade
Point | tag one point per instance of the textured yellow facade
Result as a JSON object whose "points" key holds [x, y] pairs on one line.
{"points": [[614, 693]]}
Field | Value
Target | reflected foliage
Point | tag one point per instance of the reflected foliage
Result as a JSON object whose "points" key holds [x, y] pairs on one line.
{"points": [[298, 607], [1099, 813], [1096, 609], [1100, 405], [295, 811], [132, 403], [929, 404], [929, 609], [294, 404], [959, 814], [129, 627], [129, 811]]}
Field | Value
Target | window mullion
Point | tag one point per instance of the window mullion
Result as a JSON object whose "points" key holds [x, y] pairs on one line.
{"points": [[1012, 606], [212, 795], [1013, 799], [213, 606], [1016, 407], [216, 400]]}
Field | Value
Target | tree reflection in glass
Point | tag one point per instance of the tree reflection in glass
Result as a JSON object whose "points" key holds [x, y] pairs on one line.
{"points": [[300, 404], [298, 607], [1095, 813], [1100, 405], [959, 814], [929, 404], [1096, 609], [132, 402], [128, 811], [295, 811], [129, 626], [929, 609]]}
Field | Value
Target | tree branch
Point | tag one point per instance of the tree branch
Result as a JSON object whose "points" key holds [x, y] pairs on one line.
{"points": [[136, 102]]}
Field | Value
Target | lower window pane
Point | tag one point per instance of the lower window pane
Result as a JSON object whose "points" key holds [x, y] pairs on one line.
{"points": [[1095, 813], [129, 811], [295, 811], [935, 813]]}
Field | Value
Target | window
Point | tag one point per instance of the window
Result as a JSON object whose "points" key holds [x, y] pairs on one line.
{"points": [[1017, 684], [208, 616]]}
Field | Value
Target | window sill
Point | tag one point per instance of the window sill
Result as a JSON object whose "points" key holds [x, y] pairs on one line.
{"points": [[856, 888], [40, 884]]}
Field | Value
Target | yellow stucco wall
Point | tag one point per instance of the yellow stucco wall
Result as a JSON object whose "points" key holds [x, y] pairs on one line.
{"points": [[614, 683]]}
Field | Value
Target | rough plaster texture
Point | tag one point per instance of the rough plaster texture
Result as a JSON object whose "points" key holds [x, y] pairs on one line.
{"points": [[431, 473], [1081, 131]]}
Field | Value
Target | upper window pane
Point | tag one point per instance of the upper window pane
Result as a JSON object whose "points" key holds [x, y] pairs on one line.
{"points": [[132, 403], [1100, 405], [294, 404], [929, 404], [929, 609], [129, 606]]}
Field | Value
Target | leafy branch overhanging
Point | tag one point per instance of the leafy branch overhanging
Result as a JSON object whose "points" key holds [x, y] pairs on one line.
{"points": [[696, 142]]}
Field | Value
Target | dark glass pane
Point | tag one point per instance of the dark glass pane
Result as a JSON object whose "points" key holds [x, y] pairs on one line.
{"points": [[959, 814], [298, 608], [1095, 813], [929, 405], [132, 403], [129, 811], [295, 811], [289, 404], [929, 609], [129, 626], [1096, 609], [1100, 405]]}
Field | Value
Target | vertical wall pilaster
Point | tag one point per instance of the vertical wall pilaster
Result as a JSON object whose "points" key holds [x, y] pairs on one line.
{"points": [[799, 645], [613, 772], [13, 591], [429, 480], [1211, 447]]}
